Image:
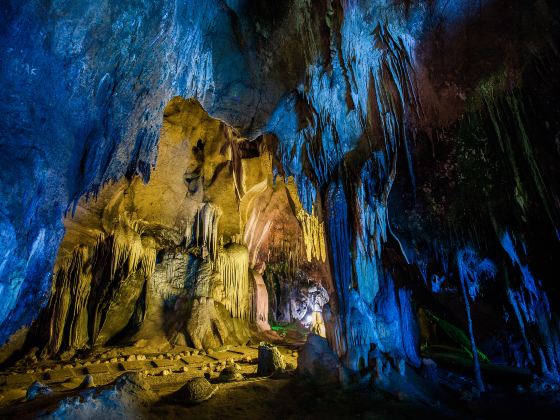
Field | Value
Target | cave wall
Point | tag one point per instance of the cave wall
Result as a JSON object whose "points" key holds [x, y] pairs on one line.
{"points": [[406, 126], [96, 77]]}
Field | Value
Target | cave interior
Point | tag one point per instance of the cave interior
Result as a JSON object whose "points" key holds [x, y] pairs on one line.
{"points": [[292, 209]]}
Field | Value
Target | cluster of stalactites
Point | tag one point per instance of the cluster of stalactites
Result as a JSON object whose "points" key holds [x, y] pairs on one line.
{"points": [[206, 232], [232, 263], [532, 311], [313, 236], [129, 252], [124, 251], [285, 256], [68, 305]]}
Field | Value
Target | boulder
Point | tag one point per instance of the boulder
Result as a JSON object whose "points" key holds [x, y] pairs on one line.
{"points": [[270, 360], [231, 374], [37, 389], [316, 359], [198, 390]]}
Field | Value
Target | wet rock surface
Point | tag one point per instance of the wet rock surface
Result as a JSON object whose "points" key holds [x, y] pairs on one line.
{"points": [[37, 390]]}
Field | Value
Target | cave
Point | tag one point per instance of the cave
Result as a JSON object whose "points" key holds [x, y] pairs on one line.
{"points": [[284, 209]]}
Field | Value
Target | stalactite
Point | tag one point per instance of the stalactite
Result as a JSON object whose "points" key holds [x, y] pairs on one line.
{"points": [[476, 362], [120, 255], [340, 236], [206, 232], [372, 226], [507, 115], [236, 166], [335, 122], [126, 261], [472, 271], [233, 265], [78, 333], [127, 250], [531, 306], [285, 256], [513, 300], [361, 326], [334, 331], [313, 236], [67, 310], [59, 305]]}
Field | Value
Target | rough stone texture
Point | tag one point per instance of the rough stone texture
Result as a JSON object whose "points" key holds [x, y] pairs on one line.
{"points": [[37, 389], [60, 375], [198, 390], [100, 368], [100, 293], [121, 308], [316, 359], [125, 398], [270, 360], [111, 128], [230, 374]]}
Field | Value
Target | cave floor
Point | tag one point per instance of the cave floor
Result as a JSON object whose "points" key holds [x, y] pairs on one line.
{"points": [[279, 396], [161, 369], [283, 396]]}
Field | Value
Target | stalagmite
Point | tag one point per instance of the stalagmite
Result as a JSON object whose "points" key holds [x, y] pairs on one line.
{"points": [[391, 168]]}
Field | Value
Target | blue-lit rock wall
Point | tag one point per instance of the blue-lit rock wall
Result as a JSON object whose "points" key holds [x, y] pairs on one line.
{"points": [[392, 116], [84, 85], [365, 101]]}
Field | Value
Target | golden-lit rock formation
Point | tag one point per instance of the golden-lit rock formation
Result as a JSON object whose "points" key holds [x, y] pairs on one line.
{"points": [[313, 235], [180, 258]]}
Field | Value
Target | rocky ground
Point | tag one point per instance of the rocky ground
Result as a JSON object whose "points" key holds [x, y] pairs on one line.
{"points": [[161, 370], [134, 383], [81, 388]]}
